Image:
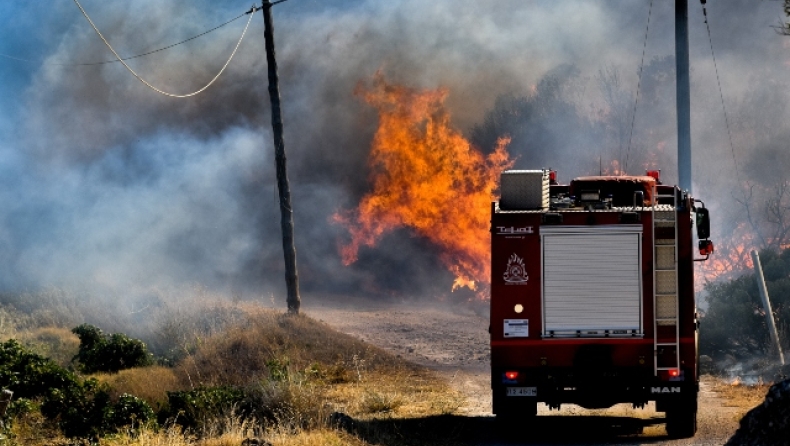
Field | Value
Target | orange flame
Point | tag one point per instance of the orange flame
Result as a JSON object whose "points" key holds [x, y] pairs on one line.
{"points": [[428, 178], [732, 255]]}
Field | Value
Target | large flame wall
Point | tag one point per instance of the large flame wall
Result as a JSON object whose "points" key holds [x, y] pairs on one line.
{"points": [[426, 177]]}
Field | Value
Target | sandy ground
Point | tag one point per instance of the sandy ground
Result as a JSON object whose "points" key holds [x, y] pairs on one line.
{"points": [[454, 342]]}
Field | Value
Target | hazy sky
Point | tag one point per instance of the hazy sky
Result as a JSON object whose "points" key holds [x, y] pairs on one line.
{"points": [[105, 183]]}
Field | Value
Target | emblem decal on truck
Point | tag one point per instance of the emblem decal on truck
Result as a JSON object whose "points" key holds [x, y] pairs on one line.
{"points": [[516, 273]]}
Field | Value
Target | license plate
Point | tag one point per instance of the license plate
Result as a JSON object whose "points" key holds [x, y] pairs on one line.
{"points": [[522, 391]]}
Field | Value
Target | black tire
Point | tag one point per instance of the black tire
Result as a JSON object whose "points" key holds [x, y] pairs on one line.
{"points": [[682, 421]]}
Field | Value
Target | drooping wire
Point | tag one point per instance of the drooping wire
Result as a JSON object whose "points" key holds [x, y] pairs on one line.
{"points": [[638, 87], [84, 13], [136, 56], [721, 95]]}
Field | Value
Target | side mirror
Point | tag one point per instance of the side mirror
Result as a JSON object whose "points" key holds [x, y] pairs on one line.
{"points": [[703, 223]]}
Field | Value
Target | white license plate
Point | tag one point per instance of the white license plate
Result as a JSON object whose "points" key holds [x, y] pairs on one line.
{"points": [[522, 391]]}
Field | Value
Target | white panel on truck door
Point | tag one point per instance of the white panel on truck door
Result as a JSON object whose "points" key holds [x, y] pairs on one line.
{"points": [[592, 281]]}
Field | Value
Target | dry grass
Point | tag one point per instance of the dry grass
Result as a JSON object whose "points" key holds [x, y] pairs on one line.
{"points": [[265, 344], [737, 394], [56, 343], [149, 383], [299, 366], [236, 435]]}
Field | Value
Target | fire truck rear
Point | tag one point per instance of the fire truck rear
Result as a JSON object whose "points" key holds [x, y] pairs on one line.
{"points": [[592, 295]]}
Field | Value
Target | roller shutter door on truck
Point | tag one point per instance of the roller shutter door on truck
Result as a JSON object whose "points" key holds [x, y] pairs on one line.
{"points": [[592, 280]]}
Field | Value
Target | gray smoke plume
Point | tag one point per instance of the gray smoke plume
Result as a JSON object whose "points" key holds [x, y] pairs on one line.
{"points": [[108, 184]]}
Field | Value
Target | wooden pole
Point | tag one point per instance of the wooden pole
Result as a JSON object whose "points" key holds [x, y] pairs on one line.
{"points": [[286, 211]]}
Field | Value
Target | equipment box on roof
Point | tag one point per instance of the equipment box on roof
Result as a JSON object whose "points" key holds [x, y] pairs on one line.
{"points": [[524, 189]]}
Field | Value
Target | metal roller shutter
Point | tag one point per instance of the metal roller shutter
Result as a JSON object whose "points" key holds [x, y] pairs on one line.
{"points": [[592, 280]]}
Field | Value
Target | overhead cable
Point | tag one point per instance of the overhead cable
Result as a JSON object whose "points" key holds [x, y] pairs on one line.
{"points": [[135, 56], [638, 87], [169, 46], [721, 94], [121, 60]]}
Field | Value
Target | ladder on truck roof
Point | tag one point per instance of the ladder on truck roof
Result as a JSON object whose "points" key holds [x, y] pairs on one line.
{"points": [[666, 326]]}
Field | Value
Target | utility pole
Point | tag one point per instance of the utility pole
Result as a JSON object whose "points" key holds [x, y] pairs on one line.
{"points": [[683, 93], [286, 212]]}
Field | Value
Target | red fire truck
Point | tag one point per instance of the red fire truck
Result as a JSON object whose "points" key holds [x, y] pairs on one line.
{"points": [[592, 295]]}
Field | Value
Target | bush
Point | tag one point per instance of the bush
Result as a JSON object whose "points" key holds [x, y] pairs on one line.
{"points": [[102, 353], [130, 412], [85, 411], [195, 409], [29, 375], [80, 408], [287, 404]]}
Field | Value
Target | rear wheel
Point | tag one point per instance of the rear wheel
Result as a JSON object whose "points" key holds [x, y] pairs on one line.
{"points": [[682, 419]]}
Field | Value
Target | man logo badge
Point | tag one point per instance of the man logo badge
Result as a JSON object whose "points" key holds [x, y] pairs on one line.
{"points": [[665, 390]]}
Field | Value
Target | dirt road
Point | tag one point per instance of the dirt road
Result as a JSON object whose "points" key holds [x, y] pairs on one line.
{"points": [[454, 342]]}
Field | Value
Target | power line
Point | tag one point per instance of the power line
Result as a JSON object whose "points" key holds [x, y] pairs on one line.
{"points": [[638, 87], [175, 44], [138, 55], [721, 94], [84, 13]]}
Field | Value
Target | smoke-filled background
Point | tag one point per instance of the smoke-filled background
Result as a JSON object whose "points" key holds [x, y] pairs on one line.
{"points": [[107, 185]]}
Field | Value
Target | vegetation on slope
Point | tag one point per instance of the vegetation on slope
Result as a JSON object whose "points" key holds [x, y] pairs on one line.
{"points": [[243, 372]]}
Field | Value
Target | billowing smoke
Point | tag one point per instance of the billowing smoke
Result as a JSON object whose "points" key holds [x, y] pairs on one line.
{"points": [[108, 184]]}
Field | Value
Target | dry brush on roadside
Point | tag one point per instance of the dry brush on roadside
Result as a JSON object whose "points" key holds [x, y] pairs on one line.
{"points": [[247, 373]]}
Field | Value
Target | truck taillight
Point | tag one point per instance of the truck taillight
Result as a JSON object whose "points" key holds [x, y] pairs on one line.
{"points": [[674, 373], [511, 375]]}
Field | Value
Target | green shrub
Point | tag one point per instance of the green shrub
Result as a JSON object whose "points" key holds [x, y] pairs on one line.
{"points": [[102, 353], [265, 402], [80, 408], [129, 412], [29, 375], [195, 409], [85, 411], [21, 406]]}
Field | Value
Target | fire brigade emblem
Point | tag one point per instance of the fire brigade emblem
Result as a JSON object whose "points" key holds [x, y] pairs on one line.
{"points": [[516, 272]]}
